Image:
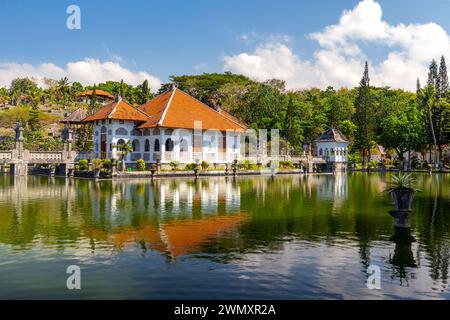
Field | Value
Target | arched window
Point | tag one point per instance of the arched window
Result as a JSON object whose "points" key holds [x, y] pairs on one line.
{"points": [[120, 142], [136, 132], [169, 145], [156, 148], [121, 132], [332, 152], [247, 146], [156, 132], [147, 145], [136, 146], [103, 130], [146, 132], [320, 152], [345, 152], [183, 145], [327, 153]]}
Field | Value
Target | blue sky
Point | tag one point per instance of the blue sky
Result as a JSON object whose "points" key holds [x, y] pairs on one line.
{"points": [[161, 38]]}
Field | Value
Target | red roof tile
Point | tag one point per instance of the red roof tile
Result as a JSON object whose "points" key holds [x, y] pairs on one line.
{"points": [[177, 109], [118, 110], [98, 92]]}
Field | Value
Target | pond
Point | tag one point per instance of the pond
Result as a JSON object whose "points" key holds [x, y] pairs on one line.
{"points": [[288, 237]]}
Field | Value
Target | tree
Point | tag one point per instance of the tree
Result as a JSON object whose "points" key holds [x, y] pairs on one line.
{"points": [[442, 84], [62, 90], [427, 101], [143, 93], [20, 88], [124, 149], [435, 100], [433, 74], [364, 117], [402, 131]]}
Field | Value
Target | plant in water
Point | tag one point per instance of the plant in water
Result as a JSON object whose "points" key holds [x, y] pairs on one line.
{"points": [[402, 181]]}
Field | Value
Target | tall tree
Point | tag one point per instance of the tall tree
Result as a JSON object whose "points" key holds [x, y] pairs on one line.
{"points": [[364, 117], [433, 74], [442, 80]]}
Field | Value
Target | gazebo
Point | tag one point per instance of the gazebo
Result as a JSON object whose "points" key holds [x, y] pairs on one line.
{"points": [[332, 146]]}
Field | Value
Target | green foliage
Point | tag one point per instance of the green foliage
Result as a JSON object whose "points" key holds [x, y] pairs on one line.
{"points": [[373, 164], [107, 163], [83, 164], [190, 166], [97, 164], [286, 165], [402, 180], [364, 116], [354, 158], [140, 164], [205, 165], [248, 165], [174, 165]]}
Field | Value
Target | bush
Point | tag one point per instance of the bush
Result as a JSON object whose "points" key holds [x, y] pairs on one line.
{"points": [[190, 166], [354, 158], [140, 164], [83, 165], [373, 164], [107, 163], [97, 164], [248, 165], [286, 165], [204, 165], [174, 165]]}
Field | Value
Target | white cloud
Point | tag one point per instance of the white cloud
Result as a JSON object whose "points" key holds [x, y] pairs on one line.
{"points": [[87, 71], [340, 57]]}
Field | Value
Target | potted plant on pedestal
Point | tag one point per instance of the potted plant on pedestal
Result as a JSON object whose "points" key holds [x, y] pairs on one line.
{"points": [[402, 189]]}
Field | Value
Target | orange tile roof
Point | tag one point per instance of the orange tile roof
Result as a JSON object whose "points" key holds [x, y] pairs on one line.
{"points": [[118, 110], [177, 109], [98, 92]]}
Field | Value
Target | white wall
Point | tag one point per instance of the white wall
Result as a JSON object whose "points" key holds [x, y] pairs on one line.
{"points": [[340, 151], [210, 151]]}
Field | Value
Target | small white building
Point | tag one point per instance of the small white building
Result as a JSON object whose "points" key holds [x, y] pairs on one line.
{"points": [[333, 147], [171, 127]]}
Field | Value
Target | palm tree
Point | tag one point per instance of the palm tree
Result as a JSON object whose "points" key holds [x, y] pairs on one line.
{"points": [[124, 149], [62, 89]]}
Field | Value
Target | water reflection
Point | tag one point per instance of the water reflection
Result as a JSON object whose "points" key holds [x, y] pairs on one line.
{"points": [[328, 227], [403, 258]]}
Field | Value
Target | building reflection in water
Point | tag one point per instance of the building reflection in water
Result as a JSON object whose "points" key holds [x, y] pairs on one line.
{"points": [[172, 216], [183, 214], [334, 188]]}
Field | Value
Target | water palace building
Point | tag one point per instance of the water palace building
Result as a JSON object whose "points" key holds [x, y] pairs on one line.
{"points": [[171, 127]]}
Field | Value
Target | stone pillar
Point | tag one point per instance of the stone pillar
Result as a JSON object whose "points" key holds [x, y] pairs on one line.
{"points": [[113, 167], [52, 171], [310, 167], [19, 139], [18, 169]]}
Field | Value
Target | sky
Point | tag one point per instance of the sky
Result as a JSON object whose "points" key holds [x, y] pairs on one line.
{"points": [[316, 43]]}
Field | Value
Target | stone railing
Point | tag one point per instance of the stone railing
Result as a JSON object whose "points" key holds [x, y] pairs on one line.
{"points": [[5, 155], [46, 155]]}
